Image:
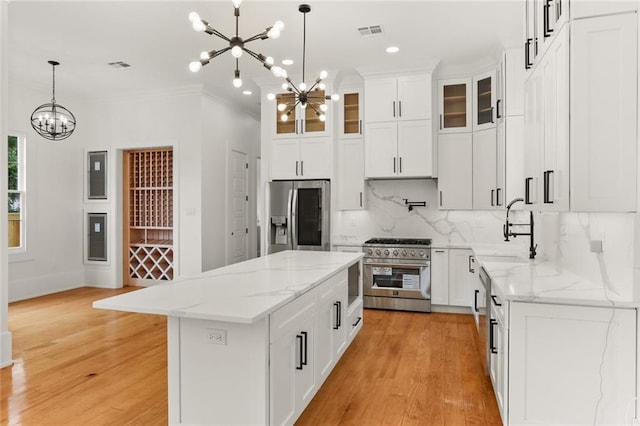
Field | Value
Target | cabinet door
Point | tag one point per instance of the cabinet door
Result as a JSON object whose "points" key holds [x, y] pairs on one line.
{"points": [[415, 150], [604, 114], [484, 169], [283, 354], [499, 358], [289, 128], [555, 148], [501, 159], [351, 109], [454, 101], [311, 124], [530, 33], [461, 275], [340, 326], [440, 276], [306, 384], [582, 356], [326, 320], [285, 154], [512, 141], [381, 149], [532, 140], [315, 158], [414, 97], [351, 182], [484, 95], [455, 154], [380, 104]]}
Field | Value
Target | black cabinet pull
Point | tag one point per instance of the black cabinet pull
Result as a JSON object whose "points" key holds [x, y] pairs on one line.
{"points": [[440, 198], [360, 127], [302, 168], [296, 168], [399, 108], [304, 360], [527, 54], [394, 164], [440, 121], [471, 267], [558, 9], [394, 108], [475, 300], [547, 180], [493, 297], [492, 115], [527, 191], [547, 29], [337, 315], [299, 340], [498, 196], [357, 322], [360, 199], [492, 346], [400, 161], [492, 193], [498, 108]]}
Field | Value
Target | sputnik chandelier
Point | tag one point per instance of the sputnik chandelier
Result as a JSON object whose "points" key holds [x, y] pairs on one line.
{"points": [[237, 45], [313, 96], [53, 121]]}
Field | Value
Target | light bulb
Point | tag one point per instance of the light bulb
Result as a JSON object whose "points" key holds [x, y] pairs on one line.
{"points": [[322, 86], [335, 97], [324, 108], [284, 73], [303, 86], [285, 86], [198, 26], [236, 3], [46, 117], [204, 55], [271, 96], [237, 82], [194, 17], [269, 60], [63, 119], [284, 117], [40, 118], [323, 75], [277, 71], [195, 66], [281, 107], [279, 25], [273, 33], [236, 51], [322, 117]]}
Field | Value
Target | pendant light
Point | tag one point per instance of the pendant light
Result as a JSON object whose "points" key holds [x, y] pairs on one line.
{"points": [[53, 121]]}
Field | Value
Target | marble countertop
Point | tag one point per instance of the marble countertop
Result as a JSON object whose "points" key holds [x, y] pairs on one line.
{"points": [[514, 277], [243, 292]]}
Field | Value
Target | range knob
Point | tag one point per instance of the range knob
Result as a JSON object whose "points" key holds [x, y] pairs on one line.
{"points": [[404, 253], [413, 253], [386, 252], [370, 251], [395, 252], [378, 252], [422, 253]]}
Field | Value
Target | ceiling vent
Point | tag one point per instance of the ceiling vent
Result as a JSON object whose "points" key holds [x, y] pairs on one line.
{"points": [[119, 65], [370, 31]]}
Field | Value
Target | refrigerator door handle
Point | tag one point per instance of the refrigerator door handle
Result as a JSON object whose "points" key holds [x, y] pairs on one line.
{"points": [[289, 218], [294, 220]]}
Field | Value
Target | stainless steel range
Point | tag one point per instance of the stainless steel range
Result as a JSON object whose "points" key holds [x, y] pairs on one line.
{"points": [[397, 274]]}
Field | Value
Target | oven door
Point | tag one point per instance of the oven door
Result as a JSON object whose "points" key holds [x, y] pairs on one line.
{"points": [[397, 279]]}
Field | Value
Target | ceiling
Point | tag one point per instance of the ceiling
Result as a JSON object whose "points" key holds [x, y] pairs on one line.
{"points": [[156, 39]]}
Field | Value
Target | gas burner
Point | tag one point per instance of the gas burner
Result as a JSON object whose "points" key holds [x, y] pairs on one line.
{"points": [[410, 249]]}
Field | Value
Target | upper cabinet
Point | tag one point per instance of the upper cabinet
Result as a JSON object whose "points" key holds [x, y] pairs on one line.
{"points": [[543, 21], [350, 151], [484, 95], [351, 113], [454, 101], [301, 122], [398, 137]]}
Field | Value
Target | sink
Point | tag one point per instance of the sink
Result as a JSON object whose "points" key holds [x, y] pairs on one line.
{"points": [[503, 259]]}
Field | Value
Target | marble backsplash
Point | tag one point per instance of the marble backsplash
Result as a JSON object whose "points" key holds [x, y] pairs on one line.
{"points": [[561, 237]]}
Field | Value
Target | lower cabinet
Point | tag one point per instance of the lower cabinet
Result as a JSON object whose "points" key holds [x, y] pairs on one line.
{"points": [[498, 344], [452, 277], [332, 325], [439, 276]]}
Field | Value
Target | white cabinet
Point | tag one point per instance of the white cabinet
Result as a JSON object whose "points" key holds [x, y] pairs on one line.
{"points": [[499, 347], [454, 105], [398, 98], [351, 113], [301, 122], [532, 136], [455, 162], [571, 364], [332, 326], [439, 276], [487, 194], [398, 149], [604, 113], [303, 158], [351, 183], [484, 96], [461, 277], [583, 9], [543, 21]]}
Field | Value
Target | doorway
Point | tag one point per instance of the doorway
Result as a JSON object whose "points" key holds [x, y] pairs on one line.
{"points": [[237, 207]]}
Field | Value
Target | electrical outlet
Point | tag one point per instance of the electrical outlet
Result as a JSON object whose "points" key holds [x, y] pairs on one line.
{"points": [[216, 337]]}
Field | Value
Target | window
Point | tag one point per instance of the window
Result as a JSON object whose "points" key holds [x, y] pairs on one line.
{"points": [[16, 193]]}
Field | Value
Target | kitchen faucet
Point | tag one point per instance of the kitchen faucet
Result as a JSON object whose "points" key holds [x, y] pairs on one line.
{"points": [[508, 233]]}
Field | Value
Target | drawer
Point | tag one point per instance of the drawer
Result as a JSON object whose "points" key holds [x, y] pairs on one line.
{"points": [[355, 318]]}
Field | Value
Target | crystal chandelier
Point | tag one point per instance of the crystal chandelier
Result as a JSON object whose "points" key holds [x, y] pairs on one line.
{"points": [[53, 121], [237, 45], [313, 96]]}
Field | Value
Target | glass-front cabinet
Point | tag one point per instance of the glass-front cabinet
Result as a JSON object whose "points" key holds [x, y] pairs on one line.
{"points": [[351, 113], [299, 121], [454, 105], [484, 93]]}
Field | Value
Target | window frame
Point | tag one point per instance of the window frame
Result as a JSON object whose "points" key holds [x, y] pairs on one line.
{"points": [[22, 174]]}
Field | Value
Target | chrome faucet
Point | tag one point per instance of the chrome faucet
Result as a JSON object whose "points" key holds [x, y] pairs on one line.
{"points": [[508, 233]]}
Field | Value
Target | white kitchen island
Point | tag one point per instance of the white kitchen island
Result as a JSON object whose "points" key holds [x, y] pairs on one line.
{"points": [[251, 343]]}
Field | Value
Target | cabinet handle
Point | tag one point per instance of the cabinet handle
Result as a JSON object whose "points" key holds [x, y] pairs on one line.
{"points": [[440, 198], [302, 168], [439, 251], [400, 164], [394, 164], [440, 121], [471, 267], [301, 126], [296, 126], [399, 108], [558, 9], [306, 347], [492, 193], [357, 322], [493, 297], [498, 196], [361, 199], [547, 29], [299, 340], [498, 108], [296, 168], [527, 191], [360, 127], [547, 187], [527, 54], [492, 346], [337, 315], [475, 300], [394, 108], [492, 115]]}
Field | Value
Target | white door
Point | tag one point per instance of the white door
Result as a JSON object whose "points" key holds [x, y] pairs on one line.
{"points": [[484, 169], [440, 276], [238, 212], [414, 97], [532, 139], [461, 278], [350, 174], [415, 151], [381, 149], [454, 105], [380, 102], [455, 158], [285, 156], [315, 158], [484, 95]]}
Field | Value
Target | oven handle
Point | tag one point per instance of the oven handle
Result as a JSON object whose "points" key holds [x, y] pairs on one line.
{"points": [[421, 265]]}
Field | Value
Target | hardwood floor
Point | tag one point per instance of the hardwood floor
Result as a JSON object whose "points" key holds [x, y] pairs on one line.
{"points": [[76, 365]]}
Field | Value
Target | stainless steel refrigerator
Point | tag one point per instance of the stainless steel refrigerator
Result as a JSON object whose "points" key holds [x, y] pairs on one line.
{"points": [[299, 214]]}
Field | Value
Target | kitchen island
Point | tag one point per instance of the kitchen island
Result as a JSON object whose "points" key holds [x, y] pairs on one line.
{"points": [[251, 343]]}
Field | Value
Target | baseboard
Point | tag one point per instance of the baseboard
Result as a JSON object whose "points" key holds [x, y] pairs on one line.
{"points": [[451, 309], [45, 284], [5, 349]]}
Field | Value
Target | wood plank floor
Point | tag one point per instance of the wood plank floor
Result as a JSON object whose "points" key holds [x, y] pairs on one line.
{"points": [[76, 365]]}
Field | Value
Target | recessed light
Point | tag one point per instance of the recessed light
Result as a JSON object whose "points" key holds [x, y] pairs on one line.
{"points": [[247, 92], [393, 49], [287, 62]]}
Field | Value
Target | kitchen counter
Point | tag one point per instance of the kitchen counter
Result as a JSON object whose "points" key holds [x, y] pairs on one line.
{"points": [[243, 292]]}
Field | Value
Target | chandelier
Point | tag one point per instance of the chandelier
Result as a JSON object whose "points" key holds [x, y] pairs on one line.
{"points": [[237, 45], [313, 96], [53, 121]]}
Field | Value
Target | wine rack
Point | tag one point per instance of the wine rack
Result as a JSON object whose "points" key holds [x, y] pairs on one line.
{"points": [[149, 207]]}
